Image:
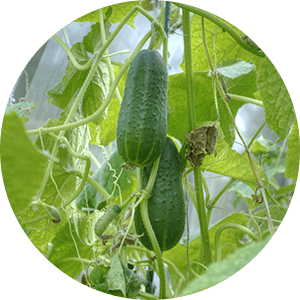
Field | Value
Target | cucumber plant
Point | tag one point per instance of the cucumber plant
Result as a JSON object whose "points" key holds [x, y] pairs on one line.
{"points": [[130, 218]]}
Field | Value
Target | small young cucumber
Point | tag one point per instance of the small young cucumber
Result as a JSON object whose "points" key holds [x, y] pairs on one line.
{"points": [[166, 207], [104, 221], [142, 122]]}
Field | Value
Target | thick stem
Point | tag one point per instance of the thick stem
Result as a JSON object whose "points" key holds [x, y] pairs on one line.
{"points": [[192, 125]]}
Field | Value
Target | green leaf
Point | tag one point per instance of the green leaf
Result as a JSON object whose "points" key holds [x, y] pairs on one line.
{"points": [[277, 215], [78, 138], [230, 240], [107, 176], [120, 277], [93, 41], [237, 69], [230, 163], [96, 92], [21, 109], [293, 154], [65, 92], [23, 167], [178, 114], [178, 124], [105, 133], [62, 93], [98, 280], [64, 254], [118, 13], [44, 230], [222, 270], [226, 47], [97, 274], [287, 189], [261, 145], [244, 85], [279, 110]]}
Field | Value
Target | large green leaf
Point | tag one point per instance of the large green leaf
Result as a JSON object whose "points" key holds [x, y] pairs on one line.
{"points": [[226, 47], [68, 247], [62, 93], [230, 241], [22, 165], [279, 110], [178, 120], [222, 270]]}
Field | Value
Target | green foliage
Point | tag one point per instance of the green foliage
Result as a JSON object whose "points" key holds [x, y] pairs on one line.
{"points": [[120, 277], [118, 13], [269, 156], [62, 93], [293, 154], [278, 105], [117, 280], [43, 178], [22, 165], [98, 281], [205, 105], [113, 178], [21, 109], [222, 270], [230, 240], [68, 247]]}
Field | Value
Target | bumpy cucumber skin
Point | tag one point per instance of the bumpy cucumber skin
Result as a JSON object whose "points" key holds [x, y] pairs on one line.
{"points": [[104, 221], [166, 207], [142, 122]]}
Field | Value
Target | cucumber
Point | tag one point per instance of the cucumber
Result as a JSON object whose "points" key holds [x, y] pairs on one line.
{"points": [[142, 122], [104, 221], [166, 207]]}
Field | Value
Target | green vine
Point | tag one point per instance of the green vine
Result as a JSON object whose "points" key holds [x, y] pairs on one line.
{"points": [[192, 125], [222, 25], [125, 240], [226, 226]]}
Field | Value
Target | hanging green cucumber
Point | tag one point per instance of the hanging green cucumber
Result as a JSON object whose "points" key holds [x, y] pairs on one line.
{"points": [[166, 208], [142, 123]]}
